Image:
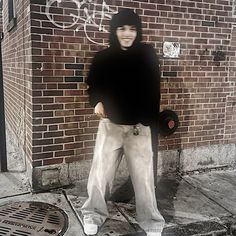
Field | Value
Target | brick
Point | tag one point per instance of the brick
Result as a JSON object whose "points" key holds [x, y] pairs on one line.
{"points": [[83, 124], [36, 149], [83, 137], [39, 128], [83, 87], [54, 46], [53, 134], [52, 148], [37, 51], [73, 93], [64, 113], [64, 153], [41, 31], [74, 105], [52, 52], [52, 86], [53, 161], [43, 114], [63, 72], [53, 79], [67, 86], [38, 2], [53, 107], [61, 32], [73, 145], [42, 58], [52, 93], [36, 135], [68, 126], [170, 73], [64, 140], [76, 66], [74, 118], [42, 155], [40, 86], [163, 8], [73, 132], [53, 120], [52, 127], [64, 99], [50, 38], [42, 100], [36, 121], [84, 111], [74, 79], [37, 163], [47, 24], [40, 142], [79, 73], [208, 23], [65, 59], [90, 130]]}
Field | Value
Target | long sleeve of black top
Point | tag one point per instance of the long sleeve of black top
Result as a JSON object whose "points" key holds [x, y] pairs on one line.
{"points": [[127, 83]]}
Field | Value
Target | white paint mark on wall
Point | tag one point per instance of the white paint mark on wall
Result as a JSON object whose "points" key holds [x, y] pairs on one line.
{"points": [[171, 49], [88, 15]]}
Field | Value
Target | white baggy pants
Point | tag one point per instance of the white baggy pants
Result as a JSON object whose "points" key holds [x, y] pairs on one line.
{"points": [[112, 142]]}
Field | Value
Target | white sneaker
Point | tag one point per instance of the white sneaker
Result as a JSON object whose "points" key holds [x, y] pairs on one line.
{"points": [[153, 233], [90, 229]]}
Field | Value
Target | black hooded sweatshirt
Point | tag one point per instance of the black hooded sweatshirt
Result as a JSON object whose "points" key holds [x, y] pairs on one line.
{"points": [[127, 82]]}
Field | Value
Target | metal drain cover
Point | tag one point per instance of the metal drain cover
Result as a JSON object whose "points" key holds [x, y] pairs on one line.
{"points": [[32, 218]]}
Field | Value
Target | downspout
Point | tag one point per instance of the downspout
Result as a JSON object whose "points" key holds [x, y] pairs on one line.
{"points": [[3, 151]]}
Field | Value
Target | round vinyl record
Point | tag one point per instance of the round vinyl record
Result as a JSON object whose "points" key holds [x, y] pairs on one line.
{"points": [[168, 122]]}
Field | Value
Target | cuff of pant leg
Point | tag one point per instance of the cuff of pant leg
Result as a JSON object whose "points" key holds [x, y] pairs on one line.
{"points": [[154, 230]]}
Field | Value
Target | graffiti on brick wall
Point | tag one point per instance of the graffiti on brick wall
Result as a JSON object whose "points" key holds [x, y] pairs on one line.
{"points": [[91, 16]]}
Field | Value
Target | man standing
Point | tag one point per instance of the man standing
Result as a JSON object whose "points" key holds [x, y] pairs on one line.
{"points": [[124, 89]]}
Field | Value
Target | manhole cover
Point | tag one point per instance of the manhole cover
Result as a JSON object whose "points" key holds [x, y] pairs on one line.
{"points": [[32, 218]]}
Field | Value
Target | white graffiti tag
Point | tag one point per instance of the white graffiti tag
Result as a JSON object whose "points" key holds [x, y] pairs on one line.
{"points": [[90, 15]]}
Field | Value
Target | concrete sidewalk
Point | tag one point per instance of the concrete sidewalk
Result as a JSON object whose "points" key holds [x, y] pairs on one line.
{"points": [[198, 204]]}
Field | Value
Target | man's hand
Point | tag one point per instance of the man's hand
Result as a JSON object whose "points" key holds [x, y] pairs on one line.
{"points": [[99, 110]]}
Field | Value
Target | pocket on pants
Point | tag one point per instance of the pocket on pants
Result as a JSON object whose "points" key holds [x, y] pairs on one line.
{"points": [[107, 127]]}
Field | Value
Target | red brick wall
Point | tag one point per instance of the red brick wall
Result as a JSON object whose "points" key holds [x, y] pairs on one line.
{"points": [[199, 89], [17, 75]]}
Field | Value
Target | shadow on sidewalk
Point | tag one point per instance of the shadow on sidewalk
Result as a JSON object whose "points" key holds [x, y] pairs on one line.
{"points": [[166, 191]]}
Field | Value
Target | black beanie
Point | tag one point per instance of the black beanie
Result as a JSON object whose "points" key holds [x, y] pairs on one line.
{"points": [[124, 17]]}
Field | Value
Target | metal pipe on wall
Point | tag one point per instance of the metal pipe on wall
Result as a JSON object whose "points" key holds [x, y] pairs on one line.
{"points": [[3, 150]]}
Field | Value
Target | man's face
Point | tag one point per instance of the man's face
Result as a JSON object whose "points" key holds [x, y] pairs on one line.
{"points": [[126, 35]]}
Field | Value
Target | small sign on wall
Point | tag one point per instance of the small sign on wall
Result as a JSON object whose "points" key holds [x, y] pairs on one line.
{"points": [[171, 49]]}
